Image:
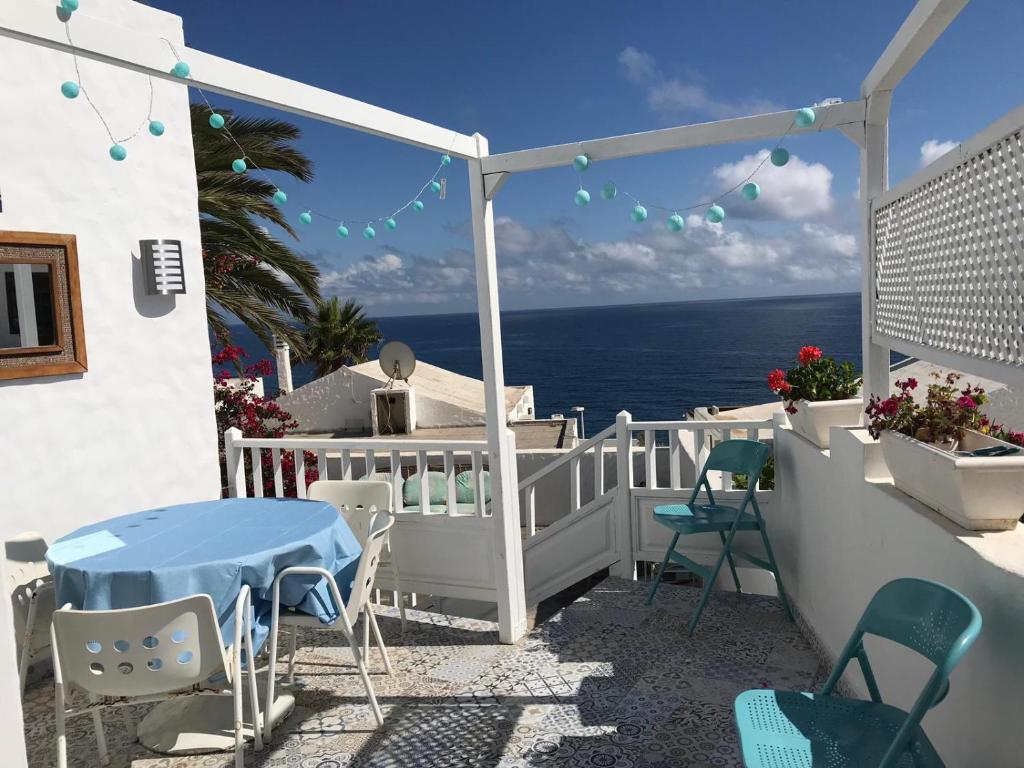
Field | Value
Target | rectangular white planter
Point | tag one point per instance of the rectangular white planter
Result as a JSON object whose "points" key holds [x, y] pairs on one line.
{"points": [[980, 493], [814, 420]]}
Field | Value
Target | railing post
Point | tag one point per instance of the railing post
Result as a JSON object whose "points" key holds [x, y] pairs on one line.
{"points": [[510, 577], [626, 567], [235, 462]]}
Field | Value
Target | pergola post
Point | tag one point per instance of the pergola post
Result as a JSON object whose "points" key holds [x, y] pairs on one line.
{"points": [[874, 152], [508, 545]]}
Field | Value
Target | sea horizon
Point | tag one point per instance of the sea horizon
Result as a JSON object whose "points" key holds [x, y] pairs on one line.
{"points": [[656, 360]]}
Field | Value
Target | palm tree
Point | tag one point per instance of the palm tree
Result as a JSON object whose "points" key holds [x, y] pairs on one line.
{"points": [[250, 273], [339, 335]]}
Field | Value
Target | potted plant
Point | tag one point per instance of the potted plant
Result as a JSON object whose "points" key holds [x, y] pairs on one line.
{"points": [[945, 453], [819, 394]]}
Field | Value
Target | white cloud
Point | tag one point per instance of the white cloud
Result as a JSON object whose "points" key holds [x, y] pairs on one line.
{"points": [[797, 190], [933, 149], [673, 95], [548, 267]]}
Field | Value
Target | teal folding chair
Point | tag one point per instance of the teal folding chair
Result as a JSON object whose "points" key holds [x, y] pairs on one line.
{"points": [[739, 457], [787, 728]]}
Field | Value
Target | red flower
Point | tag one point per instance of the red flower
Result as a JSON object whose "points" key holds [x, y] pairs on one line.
{"points": [[966, 401], [777, 381], [809, 355], [911, 383]]}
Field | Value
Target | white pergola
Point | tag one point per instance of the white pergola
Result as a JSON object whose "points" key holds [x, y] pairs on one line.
{"points": [[864, 121]]}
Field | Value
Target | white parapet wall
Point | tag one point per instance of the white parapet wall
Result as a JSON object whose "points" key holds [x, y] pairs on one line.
{"points": [[137, 429], [841, 530]]}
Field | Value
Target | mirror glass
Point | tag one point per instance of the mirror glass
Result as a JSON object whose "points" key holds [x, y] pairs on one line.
{"points": [[27, 317]]}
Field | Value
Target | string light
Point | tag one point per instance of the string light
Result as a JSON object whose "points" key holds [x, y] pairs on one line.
{"points": [[280, 197], [391, 224], [216, 121], [342, 230], [417, 205], [239, 166], [306, 217], [71, 89], [715, 212], [369, 233]]}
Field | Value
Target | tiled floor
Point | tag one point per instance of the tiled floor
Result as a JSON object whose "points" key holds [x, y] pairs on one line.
{"points": [[605, 682]]}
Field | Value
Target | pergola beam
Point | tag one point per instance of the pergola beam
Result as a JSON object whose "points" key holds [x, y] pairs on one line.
{"points": [[926, 22], [737, 129], [94, 39]]}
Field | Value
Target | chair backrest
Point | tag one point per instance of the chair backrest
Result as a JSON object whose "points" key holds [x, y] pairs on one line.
{"points": [[925, 616], [25, 560], [380, 524], [745, 457], [356, 501], [137, 651]]}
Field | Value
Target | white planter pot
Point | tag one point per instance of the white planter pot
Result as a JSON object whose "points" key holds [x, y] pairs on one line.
{"points": [[814, 420], [980, 493]]}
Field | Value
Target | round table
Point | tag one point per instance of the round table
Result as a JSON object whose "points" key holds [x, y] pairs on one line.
{"points": [[213, 548]]}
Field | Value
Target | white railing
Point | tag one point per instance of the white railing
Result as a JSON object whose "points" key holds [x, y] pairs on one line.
{"points": [[593, 446], [696, 436], [352, 458]]}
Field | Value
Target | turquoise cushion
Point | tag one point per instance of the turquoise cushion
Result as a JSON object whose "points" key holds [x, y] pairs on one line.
{"points": [[438, 489], [464, 487]]}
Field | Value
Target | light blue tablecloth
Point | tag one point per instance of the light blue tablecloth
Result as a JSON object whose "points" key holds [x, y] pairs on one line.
{"points": [[210, 547]]}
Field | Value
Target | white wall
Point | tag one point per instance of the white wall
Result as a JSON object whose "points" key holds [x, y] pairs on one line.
{"points": [[137, 430], [340, 401], [838, 538]]}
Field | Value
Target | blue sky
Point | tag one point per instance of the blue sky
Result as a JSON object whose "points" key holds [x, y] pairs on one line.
{"points": [[532, 73]]}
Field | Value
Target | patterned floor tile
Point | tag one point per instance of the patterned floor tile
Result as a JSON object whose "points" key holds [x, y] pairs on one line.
{"points": [[607, 682]]}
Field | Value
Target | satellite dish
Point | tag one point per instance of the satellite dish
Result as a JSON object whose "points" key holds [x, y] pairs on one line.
{"points": [[397, 360]]}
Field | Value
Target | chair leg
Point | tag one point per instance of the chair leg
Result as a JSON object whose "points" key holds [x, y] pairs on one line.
{"points": [[101, 739], [236, 695], [366, 633], [775, 570], [268, 722], [732, 563], [398, 586], [26, 643], [710, 583], [365, 677], [62, 739], [661, 570], [292, 648], [372, 621]]}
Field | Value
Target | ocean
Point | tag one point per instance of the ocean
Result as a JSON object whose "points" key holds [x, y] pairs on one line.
{"points": [[656, 361]]}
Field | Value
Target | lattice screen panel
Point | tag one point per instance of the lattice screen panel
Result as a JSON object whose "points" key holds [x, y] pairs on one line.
{"points": [[949, 258]]}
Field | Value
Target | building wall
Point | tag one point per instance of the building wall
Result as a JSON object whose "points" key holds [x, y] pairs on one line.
{"points": [[341, 401], [839, 537], [137, 430]]}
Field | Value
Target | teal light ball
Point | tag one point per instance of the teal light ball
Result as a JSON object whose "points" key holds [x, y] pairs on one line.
{"points": [[609, 191], [156, 128], [216, 120], [435, 186], [675, 223], [638, 214], [180, 69], [306, 217], [238, 166], [280, 197], [751, 190], [70, 89], [716, 214], [342, 230], [446, 160], [69, 5], [582, 197], [780, 156], [391, 224], [804, 117], [581, 162], [369, 233], [119, 153], [417, 205]]}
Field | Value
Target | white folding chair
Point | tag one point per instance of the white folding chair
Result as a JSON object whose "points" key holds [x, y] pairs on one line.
{"points": [[153, 653], [357, 501], [348, 614], [31, 589]]}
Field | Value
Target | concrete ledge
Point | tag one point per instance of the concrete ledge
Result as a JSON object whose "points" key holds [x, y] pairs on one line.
{"points": [[841, 530]]}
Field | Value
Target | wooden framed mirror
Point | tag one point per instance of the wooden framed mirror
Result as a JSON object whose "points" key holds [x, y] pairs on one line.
{"points": [[41, 331]]}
